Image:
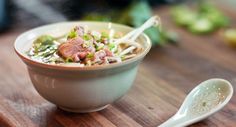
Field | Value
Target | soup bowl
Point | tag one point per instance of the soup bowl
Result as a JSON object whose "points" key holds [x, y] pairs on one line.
{"points": [[80, 89]]}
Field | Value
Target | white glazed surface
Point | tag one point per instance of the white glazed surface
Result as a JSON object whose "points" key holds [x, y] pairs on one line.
{"points": [[79, 89], [83, 94], [204, 100]]}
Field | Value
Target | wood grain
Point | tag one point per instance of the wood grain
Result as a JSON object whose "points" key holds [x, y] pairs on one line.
{"points": [[164, 78]]}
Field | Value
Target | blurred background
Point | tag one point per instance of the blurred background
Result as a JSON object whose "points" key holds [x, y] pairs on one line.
{"points": [[38, 12], [198, 17]]}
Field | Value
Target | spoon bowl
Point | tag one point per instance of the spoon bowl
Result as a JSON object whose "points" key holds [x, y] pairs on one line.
{"points": [[204, 100]]}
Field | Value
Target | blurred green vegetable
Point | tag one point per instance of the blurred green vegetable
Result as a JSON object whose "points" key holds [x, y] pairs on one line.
{"points": [[97, 17], [183, 15], [201, 26], [205, 19], [135, 15], [230, 37], [213, 14]]}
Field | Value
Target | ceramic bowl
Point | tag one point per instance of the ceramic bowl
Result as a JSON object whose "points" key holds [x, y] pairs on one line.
{"points": [[80, 89]]}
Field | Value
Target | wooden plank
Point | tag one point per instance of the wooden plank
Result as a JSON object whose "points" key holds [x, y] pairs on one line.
{"points": [[10, 117]]}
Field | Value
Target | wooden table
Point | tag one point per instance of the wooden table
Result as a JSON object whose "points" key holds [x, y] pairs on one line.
{"points": [[164, 78]]}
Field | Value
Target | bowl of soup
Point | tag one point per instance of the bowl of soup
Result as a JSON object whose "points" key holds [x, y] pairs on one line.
{"points": [[80, 66]]}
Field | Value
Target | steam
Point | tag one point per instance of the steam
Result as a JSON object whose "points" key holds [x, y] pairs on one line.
{"points": [[40, 10]]}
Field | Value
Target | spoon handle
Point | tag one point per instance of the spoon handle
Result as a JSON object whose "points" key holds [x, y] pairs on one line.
{"points": [[169, 123], [153, 21], [175, 122], [149, 23]]}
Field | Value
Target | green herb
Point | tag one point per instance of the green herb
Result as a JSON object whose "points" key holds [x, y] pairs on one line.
{"points": [[104, 35], [87, 37], [90, 55], [99, 47], [42, 42], [72, 34], [43, 47], [111, 46], [69, 60]]}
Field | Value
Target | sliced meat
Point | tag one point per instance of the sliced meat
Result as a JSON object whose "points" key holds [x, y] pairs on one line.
{"points": [[71, 47], [79, 30], [108, 52], [79, 56], [98, 56]]}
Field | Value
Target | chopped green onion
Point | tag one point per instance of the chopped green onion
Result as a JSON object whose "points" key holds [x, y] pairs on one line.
{"points": [[72, 34], [111, 46], [104, 35], [87, 37], [90, 55], [69, 60], [99, 47]]}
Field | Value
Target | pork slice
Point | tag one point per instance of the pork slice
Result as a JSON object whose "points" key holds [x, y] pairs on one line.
{"points": [[99, 56], [78, 41], [108, 52], [69, 48], [79, 30], [79, 56]]}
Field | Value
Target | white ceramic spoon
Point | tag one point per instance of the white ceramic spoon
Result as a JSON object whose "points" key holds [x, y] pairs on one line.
{"points": [[205, 99], [153, 21]]}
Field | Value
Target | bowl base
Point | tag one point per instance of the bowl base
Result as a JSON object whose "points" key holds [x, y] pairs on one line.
{"points": [[83, 111]]}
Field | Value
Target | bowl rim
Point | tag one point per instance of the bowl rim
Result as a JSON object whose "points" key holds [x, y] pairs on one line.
{"points": [[76, 68]]}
